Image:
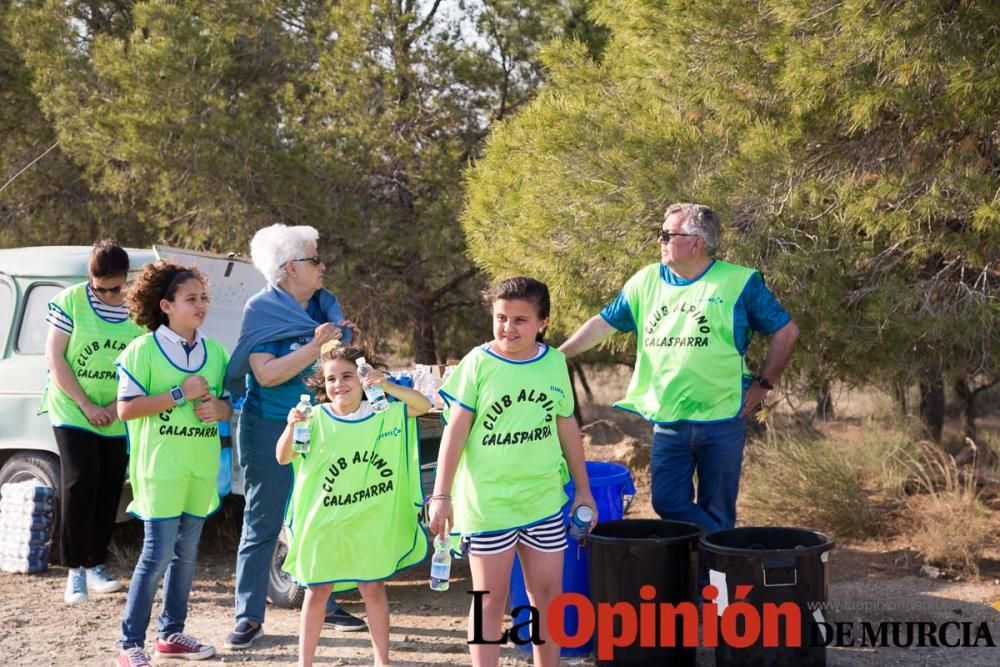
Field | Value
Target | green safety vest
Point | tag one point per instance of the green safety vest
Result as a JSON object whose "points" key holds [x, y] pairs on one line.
{"points": [[174, 456], [90, 353], [356, 499], [511, 472], [687, 365]]}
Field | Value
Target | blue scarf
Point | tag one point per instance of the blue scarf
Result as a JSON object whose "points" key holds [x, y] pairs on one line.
{"points": [[272, 314]]}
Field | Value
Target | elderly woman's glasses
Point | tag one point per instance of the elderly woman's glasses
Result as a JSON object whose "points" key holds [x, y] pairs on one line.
{"points": [[316, 261]]}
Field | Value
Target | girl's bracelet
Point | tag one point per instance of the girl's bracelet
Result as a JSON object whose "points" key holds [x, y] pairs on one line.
{"points": [[439, 497]]}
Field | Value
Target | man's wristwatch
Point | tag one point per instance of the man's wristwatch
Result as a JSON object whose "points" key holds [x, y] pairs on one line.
{"points": [[763, 382], [177, 394]]}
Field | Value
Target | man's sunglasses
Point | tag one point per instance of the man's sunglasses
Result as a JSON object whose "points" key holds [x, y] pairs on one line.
{"points": [[107, 290], [666, 236], [316, 261]]}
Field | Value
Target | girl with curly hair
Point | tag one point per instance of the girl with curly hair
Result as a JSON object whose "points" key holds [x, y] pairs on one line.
{"points": [[170, 396]]}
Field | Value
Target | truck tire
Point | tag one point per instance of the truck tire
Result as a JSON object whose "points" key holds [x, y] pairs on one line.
{"points": [[281, 588], [43, 468]]}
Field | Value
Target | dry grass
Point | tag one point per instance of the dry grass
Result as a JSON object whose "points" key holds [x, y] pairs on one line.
{"points": [[812, 484], [947, 523]]}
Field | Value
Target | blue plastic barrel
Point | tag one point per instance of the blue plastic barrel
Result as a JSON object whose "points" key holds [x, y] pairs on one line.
{"points": [[612, 488]]}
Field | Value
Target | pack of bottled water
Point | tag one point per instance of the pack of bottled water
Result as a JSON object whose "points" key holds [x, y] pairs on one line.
{"points": [[25, 526]]}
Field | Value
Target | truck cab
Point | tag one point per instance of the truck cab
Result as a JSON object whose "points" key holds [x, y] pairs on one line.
{"points": [[29, 279]]}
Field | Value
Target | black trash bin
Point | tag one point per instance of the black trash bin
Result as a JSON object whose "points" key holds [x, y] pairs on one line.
{"points": [[782, 565], [628, 554]]}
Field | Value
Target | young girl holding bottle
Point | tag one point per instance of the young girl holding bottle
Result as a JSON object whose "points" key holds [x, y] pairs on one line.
{"points": [[509, 440], [170, 397], [356, 495]]}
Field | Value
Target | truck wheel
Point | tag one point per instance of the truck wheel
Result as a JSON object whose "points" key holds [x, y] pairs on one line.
{"points": [[43, 468], [281, 588]]}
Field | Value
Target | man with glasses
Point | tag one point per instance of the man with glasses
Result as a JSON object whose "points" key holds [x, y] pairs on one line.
{"points": [[694, 316]]}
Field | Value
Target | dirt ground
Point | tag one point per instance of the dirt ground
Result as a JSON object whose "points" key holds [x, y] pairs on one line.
{"points": [[873, 582], [868, 581]]}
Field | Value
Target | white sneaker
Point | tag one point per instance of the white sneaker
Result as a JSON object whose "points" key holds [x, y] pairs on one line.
{"points": [[101, 582], [76, 586]]}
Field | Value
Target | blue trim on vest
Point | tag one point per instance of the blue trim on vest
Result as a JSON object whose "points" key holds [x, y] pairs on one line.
{"points": [[171, 361], [131, 377], [53, 306], [86, 289], [329, 411], [73, 427], [449, 399], [486, 348]]}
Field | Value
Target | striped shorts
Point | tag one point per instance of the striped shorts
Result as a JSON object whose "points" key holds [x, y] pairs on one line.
{"points": [[547, 535]]}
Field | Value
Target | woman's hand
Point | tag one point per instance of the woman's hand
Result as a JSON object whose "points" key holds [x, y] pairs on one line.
{"points": [[442, 516], [96, 415], [324, 333], [355, 331]]}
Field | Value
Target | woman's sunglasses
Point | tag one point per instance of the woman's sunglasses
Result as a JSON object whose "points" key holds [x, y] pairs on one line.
{"points": [[316, 261], [107, 290]]}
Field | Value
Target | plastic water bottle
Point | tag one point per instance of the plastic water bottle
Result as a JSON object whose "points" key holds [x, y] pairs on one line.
{"points": [[441, 564], [579, 522], [376, 397], [301, 431]]}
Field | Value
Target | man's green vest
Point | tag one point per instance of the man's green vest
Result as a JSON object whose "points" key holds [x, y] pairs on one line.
{"points": [[356, 499], [511, 473], [174, 456], [687, 365], [90, 352]]}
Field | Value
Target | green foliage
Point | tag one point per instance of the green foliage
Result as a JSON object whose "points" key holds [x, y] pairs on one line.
{"points": [[852, 148], [196, 123]]}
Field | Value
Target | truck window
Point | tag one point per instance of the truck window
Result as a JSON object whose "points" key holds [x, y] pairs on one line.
{"points": [[34, 329], [6, 313]]}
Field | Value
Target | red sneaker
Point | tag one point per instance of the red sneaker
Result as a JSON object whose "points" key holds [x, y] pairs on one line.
{"points": [[179, 646]]}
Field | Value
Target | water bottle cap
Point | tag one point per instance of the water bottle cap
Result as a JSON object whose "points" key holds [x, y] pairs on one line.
{"points": [[305, 398], [361, 360], [585, 513]]}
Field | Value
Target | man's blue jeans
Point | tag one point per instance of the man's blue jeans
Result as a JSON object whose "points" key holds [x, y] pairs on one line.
{"points": [[170, 546], [715, 451], [267, 486]]}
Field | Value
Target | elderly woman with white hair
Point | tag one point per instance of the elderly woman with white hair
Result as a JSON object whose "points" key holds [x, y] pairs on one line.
{"points": [[284, 327]]}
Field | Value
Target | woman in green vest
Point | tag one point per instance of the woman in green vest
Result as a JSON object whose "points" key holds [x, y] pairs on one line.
{"points": [[509, 439], [88, 327], [355, 498], [170, 396]]}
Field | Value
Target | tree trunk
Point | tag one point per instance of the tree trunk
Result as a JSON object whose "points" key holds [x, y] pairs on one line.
{"points": [[824, 401], [900, 398], [576, 373], [932, 404], [968, 415], [424, 342]]}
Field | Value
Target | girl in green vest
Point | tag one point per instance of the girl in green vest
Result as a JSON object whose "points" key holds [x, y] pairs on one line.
{"points": [[509, 439], [355, 498], [171, 399], [88, 327]]}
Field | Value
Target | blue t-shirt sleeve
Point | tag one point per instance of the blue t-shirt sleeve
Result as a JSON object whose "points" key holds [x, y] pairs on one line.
{"points": [[270, 347], [618, 314], [764, 314]]}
